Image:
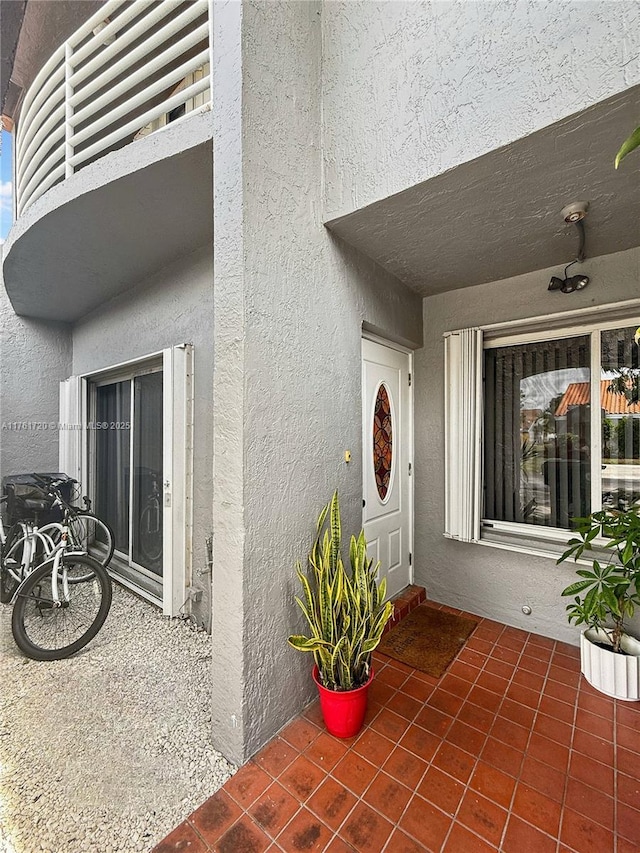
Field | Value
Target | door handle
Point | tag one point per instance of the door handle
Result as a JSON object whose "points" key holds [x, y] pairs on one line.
{"points": [[364, 503]]}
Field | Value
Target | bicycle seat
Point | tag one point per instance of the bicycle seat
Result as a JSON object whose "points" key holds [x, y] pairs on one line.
{"points": [[35, 505]]}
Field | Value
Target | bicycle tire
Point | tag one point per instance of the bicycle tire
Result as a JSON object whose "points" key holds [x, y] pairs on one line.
{"points": [[82, 534], [44, 631], [150, 541], [12, 562]]}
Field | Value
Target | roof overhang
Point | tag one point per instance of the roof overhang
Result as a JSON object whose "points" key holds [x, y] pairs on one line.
{"points": [[499, 215]]}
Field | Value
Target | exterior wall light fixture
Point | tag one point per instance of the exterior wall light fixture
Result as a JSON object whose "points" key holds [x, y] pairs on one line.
{"points": [[573, 213]]}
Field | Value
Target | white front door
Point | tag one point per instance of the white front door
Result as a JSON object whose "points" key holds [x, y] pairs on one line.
{"points": [[386, 443]]}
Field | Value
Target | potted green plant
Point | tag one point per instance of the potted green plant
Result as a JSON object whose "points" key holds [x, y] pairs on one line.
{"points": [[604, 597], [346, 613]]}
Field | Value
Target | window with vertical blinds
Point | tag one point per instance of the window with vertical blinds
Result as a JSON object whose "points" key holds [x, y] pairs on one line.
{"points": [[537, 432], [540, 429]]}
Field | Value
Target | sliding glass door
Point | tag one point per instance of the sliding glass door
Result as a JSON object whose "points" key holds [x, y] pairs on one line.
{"points": [[127, 438]]}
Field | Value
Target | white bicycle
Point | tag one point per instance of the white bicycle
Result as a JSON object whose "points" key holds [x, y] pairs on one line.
{"points": [[60, 596]]}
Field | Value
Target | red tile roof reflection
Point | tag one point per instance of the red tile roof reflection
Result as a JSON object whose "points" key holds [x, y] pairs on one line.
{"points": [[577, 394]]}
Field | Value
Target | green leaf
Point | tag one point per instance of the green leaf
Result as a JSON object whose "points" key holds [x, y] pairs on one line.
{"points": [[631, 143], [305, 644], [336, 530], [304, 581], [578, 586], [307, 615], [321, 519]]}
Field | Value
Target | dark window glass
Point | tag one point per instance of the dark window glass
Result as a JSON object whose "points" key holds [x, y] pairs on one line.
{"points": [[537, 432]]}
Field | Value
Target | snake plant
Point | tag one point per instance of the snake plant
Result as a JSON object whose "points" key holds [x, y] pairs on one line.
{"points": [[346, 611]]}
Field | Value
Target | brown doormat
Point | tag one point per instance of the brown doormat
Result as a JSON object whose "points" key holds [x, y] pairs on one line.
{"points": [[427, 639]]}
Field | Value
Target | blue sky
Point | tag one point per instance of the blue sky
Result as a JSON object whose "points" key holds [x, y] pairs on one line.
{"points": [[5, 184]]}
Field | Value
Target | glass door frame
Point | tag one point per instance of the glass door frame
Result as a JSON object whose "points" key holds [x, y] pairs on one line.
{"points": [[123, 373], [177, 364]]}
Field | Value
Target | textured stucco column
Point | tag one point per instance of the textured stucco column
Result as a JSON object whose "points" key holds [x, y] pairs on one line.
{"points": [[228, 385], [290, 304]]}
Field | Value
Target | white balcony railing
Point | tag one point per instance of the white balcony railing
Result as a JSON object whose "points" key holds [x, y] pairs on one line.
{"points": [[132, 68]]}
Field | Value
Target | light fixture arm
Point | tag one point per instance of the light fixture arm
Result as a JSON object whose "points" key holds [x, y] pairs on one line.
{"points": [[580, 226], [573, 213]]}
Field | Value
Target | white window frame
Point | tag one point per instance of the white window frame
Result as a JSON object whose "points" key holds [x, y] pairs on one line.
{"points": [[77, 454], [464, 418]]}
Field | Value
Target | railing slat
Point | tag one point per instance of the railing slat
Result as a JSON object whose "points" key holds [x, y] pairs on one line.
{"points": [[25, 126], [30, 164], [138, 29], [129, 59], [140, 97], [105, 11], [44, 186], [163, 58], [141, 121], [34, 188], [29, 153], [62, 95]]}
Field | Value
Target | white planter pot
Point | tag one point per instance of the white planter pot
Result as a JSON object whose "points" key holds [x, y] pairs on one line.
{"points": [[613, 674]]}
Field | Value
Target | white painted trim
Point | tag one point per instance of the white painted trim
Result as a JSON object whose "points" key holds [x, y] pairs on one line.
{"points": [[167, 484], [591, 311], [385, 342], [463, 434], [586, 328], [121, 365], [593, 330], [85, 447], [533, 531], [143, 593], [177, 488], [519, 549], [70, 440], [595, 425]]}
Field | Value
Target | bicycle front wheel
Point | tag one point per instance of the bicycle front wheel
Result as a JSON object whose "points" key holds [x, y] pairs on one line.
{"points": [[90, 534], [58, 612]]}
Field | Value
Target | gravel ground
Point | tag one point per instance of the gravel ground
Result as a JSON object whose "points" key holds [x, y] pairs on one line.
{"points": [[109, 750]]}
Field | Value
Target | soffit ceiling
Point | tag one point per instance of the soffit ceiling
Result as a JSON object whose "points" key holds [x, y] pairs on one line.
{"points": [[499, 215], [100, 243]]}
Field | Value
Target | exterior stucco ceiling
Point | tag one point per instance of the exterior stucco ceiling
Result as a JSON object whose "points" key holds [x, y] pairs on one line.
{"points": [[499, 215], [98, 239]]}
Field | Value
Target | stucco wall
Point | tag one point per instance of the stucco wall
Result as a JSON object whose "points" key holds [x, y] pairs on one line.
{"points": [[299, 298], [173, 307], [485, 580], [35, 356], [411, 89]]}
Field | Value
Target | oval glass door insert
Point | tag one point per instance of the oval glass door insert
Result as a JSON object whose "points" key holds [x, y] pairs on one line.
{"points": [[382, 441]]}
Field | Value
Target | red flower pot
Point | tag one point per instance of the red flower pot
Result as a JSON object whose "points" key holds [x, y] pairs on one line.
{"points": [[343, 710]]}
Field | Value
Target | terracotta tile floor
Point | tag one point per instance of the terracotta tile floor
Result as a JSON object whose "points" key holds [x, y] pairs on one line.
{"points": [[511, 750]]}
